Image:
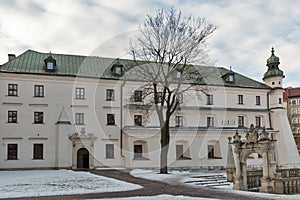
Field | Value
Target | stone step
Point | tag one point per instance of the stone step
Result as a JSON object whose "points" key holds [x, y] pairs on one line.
{"points": [[208, 176], [212, 182], [205, 180]]}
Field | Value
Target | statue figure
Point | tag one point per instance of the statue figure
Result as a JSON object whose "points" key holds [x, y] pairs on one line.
{"points": [[252, 135]]}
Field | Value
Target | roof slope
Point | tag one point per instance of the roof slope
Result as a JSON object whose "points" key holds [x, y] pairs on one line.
{"points": [[32, 62]]}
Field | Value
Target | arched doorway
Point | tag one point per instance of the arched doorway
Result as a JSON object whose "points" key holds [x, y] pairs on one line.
{"points": [[83, 158]]}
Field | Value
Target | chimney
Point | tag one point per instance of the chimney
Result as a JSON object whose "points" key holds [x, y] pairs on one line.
{"points": [[11, 57]]}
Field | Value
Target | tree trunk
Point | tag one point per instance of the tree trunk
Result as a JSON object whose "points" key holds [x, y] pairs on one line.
{"points": [[164, 142]]}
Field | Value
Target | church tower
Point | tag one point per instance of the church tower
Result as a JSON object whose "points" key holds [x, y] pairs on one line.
{"points": [[273, 78], [286, 149]]}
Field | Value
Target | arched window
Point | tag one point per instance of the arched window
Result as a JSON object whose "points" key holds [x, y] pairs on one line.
{"points": [[214, 150], [182, 150], [140, 150]]}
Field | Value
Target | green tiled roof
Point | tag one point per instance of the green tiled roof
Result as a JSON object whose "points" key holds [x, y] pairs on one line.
{"points": [[32, 62]]}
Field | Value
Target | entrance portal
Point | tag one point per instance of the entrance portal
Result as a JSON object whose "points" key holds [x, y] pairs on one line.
{"points": [[83, 158]]}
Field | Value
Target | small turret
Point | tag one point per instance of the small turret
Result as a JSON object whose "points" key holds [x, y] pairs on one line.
{"points": [[273, 77]]}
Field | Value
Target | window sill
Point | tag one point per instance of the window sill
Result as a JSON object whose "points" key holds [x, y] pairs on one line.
{"points": [[80, 124], [109, 158], [218, 158], [12, 122], [183, 158], [11, 159], [37, 159], [39, 97], [79, 99], [12, 95], [141, 158], [111, 125], [109, 100], [39, 123]]}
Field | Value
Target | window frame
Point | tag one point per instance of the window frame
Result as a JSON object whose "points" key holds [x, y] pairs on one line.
{"points": [[12, 90], [12, 154], [210, 121], [138, 120], [257, 121], [137, 151], [109, 151], [257, 101], [138, 96], [110, 119], [110, 94], [210, 151], [178, 121], [38, 151], [240, 99], [241, 121], [79, 93], [209, 99], [38, 117], [179, 149], [39, 91], [12, 116], [79, 118], [158, 97]]}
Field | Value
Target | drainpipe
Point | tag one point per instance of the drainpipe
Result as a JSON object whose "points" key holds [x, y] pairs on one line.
{"points": [[268, 107], [121, 119]]}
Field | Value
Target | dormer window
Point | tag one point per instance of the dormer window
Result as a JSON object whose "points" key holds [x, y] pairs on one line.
{"points": [[230, 78], [117, 70], [50, 64]]}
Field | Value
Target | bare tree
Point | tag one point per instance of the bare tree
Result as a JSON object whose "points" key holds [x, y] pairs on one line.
{"points": [[164, 50]]}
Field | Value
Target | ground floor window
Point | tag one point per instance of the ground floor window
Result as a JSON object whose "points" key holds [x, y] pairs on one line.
{"points": [[214, 150], [211, 151], [38, 150], [109, 151], [12, 152], [138, 151]]}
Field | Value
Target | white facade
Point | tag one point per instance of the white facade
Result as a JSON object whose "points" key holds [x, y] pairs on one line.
{"points": [[74, 132]]}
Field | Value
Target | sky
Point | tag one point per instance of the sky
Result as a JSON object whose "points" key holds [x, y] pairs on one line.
{"points": [[247, 30]]}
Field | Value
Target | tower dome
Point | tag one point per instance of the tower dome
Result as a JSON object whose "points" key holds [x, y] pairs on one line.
{"points": [[273, 69]]}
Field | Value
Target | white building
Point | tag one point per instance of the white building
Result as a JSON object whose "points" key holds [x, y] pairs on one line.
{"points": [[67, 111]]}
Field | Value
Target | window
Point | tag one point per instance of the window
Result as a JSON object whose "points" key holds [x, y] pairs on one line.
{"points": [[117, 70], [294, 120], [257, 100], [138, 151], [257, 122], [110, 119], [138, 120], [179, 151], [178, 121], [179, 97], [209, 99], [210, 121], [79, 93], [79, 118], [240, 99], [38, 117], [294, 110], [158, 97], [38, 151], [39, 91], [240, 121], [50, 65], [12, 152], [280, 101], [12, 89], [211, 151], [12, 116], [230, 78], [138, 96], [109, 150], [110, 95], [293, 102]]}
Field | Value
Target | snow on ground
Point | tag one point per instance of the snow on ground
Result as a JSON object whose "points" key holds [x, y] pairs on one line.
{"points": [[162, 197], [57, 182], [181, 177]]}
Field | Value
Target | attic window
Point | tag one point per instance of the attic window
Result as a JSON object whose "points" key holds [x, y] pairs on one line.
{"points": [[117, 70], [230, 78], [50, 64]]}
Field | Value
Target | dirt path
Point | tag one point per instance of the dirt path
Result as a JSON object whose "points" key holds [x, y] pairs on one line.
{"points": [[150, 188]]}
